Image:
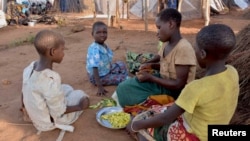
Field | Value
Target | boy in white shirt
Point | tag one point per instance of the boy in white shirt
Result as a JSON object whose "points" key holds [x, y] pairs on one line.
{"points": [[48, 102]]}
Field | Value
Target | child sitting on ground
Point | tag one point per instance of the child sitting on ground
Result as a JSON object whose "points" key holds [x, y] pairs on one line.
{"points": [[100, 69], [175, 62], [202, 102], [49, 103]]}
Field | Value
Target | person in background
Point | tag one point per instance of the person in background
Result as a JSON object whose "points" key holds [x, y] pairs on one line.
{"points": [[168, 4], [172, 3], [15, 15]]}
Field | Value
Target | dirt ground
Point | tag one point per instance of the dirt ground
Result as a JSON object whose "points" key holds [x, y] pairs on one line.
{"points": [[13, 59]]}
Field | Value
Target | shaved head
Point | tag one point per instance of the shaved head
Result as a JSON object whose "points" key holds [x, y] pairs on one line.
{"points": [[47, 39], [216, 39]]}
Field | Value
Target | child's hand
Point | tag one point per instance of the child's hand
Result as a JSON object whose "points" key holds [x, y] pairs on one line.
{"points": [[145, 67], [143, 76], [101, 91]]}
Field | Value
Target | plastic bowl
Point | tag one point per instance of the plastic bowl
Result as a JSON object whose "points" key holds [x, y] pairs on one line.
{"points": [[35, 21], [32, 23]]}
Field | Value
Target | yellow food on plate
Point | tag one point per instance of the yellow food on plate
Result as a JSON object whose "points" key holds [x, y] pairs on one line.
{"points": [[117, 119]]}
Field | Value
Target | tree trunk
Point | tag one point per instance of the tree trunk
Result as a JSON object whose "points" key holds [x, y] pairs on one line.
{"points": [[56, 5]]}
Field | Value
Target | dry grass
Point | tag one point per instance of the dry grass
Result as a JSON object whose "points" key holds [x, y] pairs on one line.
{"points": [[240, 59]]}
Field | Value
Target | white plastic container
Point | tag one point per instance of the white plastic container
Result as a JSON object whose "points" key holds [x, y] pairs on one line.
{"points": [[31, 23], [35, 21]]}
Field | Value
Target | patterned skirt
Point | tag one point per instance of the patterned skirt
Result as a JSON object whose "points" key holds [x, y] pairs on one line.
{"points": [[173, 132], [117, 74]]}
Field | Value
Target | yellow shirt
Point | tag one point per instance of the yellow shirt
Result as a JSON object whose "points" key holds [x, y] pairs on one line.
{"points": [[210, 100], [182, 54]]}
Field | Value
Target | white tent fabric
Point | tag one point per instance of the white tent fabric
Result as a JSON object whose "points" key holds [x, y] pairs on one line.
{"points": [[137, 9], [190, 8], [243, 4], [35, 1], [3, 4], [218, 5], [101, 6], [3, 22]]}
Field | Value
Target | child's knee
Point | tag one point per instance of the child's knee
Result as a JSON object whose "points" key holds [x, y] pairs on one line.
{"points": [[67, 89], [75, 97]]}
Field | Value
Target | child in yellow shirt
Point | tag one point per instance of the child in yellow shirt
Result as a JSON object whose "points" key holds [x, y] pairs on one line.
{"points": [[202, 102]]}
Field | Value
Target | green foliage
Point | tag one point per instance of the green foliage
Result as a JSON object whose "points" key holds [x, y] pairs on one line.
{"points": [[28, 40], [106, 102]]}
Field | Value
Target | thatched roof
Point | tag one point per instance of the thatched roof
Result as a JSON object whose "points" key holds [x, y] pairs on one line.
{"points": [[240, 59]]}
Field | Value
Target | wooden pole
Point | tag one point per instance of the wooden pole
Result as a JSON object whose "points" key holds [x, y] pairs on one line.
{"points": [[108, 13], [1, 5], [117, 12], [146, 15], [122, 9], [142, 9], [179, 5], [206, 13], [93, 9], [160, 5], [56, 6], [127, 9]]}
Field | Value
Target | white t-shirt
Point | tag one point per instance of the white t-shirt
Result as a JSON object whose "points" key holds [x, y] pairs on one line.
{"points": [[44, 97]]}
